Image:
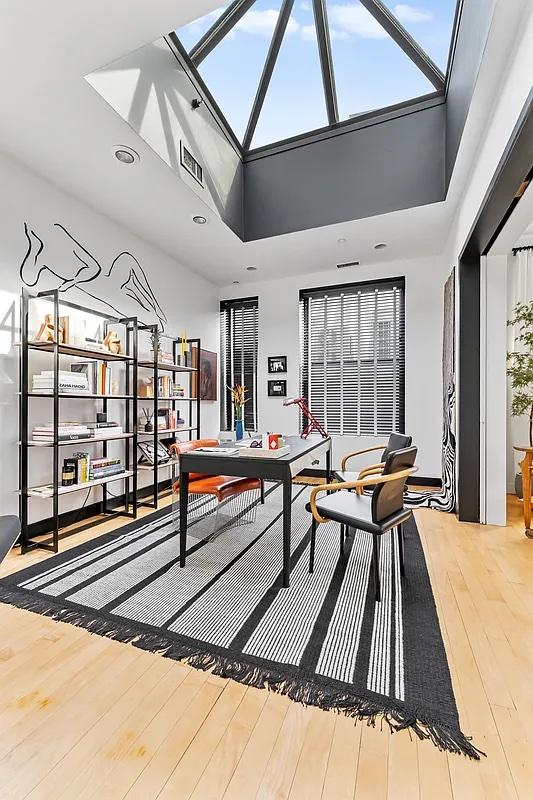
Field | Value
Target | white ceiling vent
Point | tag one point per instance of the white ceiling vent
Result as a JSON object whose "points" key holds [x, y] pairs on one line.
{"points": [[348, 264], [188, 162]]}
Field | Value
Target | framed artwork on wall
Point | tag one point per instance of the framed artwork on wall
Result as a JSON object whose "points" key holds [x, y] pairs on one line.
{"points": [[277, 364], [208, 374], [277, 388]]}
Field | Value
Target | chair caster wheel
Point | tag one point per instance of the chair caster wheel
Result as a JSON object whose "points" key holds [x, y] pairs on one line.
{"points": [[529, 533]]}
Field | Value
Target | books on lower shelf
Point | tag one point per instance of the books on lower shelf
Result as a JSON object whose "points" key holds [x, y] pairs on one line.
{"points": [[166, 387], [76, 430], [168, 419]]}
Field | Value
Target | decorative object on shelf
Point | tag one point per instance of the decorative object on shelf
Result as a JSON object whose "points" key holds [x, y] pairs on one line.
{"points": [[238, 399], [277, 364], [148, 416], [112, 343], [68, 473], [146, 387], [124, 278], [46, 331], [208, 374], [520, 371], [148, 453], [277, 388], [311, 422]]}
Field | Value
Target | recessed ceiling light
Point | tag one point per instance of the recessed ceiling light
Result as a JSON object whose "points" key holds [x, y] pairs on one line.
{"points": [[380, 246], [199, 219], [251, 269], [342, 240], [125, 154], [235, 281]]}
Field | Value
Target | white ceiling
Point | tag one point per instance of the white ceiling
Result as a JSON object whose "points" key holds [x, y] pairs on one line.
{"points": [[57, 125]]}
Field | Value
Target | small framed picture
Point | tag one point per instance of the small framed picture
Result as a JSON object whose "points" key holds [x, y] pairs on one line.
{"points": [[277, 364], [277, 388]]}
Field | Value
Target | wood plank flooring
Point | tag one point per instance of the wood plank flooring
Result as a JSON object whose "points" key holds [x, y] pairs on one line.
{"points": [[86, 718]]}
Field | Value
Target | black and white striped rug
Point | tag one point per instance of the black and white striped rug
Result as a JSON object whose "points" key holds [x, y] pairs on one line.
{"points": [[324, 641]]}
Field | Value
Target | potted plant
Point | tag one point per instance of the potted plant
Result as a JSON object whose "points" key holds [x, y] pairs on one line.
{"points": [[520, 371], [238, 399]]}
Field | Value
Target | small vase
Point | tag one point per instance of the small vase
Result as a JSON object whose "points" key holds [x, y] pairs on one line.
{"points": [[239, 429]]}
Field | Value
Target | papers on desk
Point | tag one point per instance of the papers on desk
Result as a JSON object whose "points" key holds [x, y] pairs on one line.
{"points": [[221, 451], [260, 452]]}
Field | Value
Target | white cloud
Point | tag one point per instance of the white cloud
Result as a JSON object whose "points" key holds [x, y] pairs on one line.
{"points": [[200, 25], [356, 20], [305, 6], [263, 22], [407, 13], [308, 33]]}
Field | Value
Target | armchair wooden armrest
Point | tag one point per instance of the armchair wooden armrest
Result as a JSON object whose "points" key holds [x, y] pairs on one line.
{"points": [[371, 481], [372, 469], [360, 453]]}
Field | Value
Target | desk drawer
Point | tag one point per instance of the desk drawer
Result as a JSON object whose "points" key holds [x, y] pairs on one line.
{"points": [[313, 460]]}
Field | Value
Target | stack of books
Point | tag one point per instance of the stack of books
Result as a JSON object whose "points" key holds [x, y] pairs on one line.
{"points": [[105, 467], [76, 430], [168, 419], [66, 431], [82, 466], [70, 382]]}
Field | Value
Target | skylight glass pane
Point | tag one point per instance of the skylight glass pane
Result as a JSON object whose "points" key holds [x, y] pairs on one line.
{"points": [[233, 68], [294, 102], [371, 70], [430, 23], [190, 34]]}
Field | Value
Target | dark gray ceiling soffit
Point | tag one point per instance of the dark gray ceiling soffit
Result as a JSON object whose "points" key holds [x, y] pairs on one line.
{"points": [[221, 27], [389, 22], [365, 120], [268, 69]]}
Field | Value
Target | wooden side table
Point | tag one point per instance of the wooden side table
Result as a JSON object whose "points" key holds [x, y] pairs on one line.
{"points": [[525, 466]]}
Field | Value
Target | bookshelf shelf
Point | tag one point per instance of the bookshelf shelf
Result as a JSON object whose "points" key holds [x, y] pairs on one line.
{"points": [[47, 490], [82, 395], [162, 366], [164, 397], [79, 352], [149, 467], [75, 442], [168, 431]]}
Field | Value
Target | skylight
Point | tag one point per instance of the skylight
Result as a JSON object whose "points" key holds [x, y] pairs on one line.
{"points": [[281, 68]]}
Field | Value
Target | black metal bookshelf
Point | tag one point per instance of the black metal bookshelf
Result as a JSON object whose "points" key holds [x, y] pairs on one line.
{"points": [[56, 349], [192, 404]]}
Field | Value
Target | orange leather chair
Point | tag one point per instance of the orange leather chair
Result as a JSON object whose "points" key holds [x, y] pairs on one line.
{"points": [[220, 487]]}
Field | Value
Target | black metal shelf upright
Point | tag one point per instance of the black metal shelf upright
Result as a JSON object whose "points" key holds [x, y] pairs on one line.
{"points": [[57, 349], [193, 422]]}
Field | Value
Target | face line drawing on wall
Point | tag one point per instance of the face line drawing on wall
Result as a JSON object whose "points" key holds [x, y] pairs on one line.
{"points": [[125, 273]]}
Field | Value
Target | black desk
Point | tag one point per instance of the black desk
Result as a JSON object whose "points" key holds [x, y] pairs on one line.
{"points": [[304, 453]]}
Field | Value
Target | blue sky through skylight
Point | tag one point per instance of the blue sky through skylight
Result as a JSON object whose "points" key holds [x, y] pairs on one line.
{"points": [[371, 71]]}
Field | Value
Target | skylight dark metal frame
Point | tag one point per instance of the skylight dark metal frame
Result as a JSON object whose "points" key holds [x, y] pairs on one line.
{"points": [[190, 61]]}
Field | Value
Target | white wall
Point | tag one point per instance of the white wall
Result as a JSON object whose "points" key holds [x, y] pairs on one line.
{"points": [[190, 303], [279, 335]]}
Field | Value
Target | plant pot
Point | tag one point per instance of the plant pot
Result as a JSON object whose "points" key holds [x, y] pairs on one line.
{"points": [[518, 485], [239, 429]]}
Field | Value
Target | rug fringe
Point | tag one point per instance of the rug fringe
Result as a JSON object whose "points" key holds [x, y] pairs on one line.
{"points": [[327, 698]]}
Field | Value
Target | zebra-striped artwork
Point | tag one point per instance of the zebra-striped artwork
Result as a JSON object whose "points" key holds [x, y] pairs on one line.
{"points": [[445, 500]]}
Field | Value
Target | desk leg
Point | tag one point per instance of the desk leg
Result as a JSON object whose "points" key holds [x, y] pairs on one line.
{"points": [[184, 503], [526, 492], [287, 510], [328, 465]]}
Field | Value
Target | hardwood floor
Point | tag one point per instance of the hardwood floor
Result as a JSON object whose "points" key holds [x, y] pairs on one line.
{"points": [[83, 717]]}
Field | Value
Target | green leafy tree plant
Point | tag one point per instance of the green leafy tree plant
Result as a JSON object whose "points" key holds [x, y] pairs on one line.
{"points": [[520, 364]]}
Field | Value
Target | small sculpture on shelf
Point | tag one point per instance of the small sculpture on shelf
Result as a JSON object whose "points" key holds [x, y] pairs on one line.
{"points": [[46, 332], [148, 415], [112, 343]]}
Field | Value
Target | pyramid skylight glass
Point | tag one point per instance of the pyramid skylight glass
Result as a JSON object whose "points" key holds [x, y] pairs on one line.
{"points": [[282, 68]]}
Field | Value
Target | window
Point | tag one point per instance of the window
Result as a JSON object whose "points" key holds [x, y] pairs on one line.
{"points": [[281, 68], [238, 358], [352, 341]]}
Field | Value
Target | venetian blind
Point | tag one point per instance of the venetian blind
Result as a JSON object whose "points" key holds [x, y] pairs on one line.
{"points": [[238, 358], [352, 341]]}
